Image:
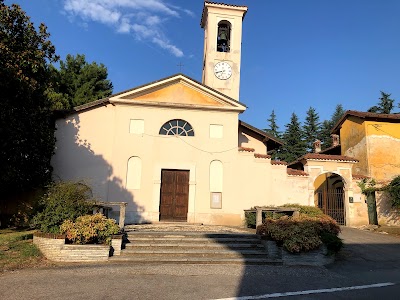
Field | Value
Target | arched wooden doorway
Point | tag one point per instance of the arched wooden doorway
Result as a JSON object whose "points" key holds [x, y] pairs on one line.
{"points": [[329, 196]]}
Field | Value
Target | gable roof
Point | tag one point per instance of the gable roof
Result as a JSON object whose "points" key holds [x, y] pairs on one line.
{"points": [[230, 103], [366, 116], [216, 99], [262, 134], [218, 4]]}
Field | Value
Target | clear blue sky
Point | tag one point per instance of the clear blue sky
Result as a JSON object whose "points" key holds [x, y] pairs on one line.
{"points": [[295, 54]]}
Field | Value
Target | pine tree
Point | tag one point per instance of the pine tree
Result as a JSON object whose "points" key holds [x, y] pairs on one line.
{"points": [[273, 127], [294, 146], [77, 82], [311, 128], [325, 134], [385, 105], [337, 114], [327, 126]]}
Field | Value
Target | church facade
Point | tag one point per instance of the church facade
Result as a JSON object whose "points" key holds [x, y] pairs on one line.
{"points": [[175, 149]]}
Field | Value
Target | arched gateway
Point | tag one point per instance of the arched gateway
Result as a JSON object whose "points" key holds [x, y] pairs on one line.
{"points": [[329, 195], [330, 183]]}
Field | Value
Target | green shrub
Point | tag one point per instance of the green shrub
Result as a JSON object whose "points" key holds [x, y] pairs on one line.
{"points": [[311, 211], [90, 229], [303, 233], [63, 201], [250, 217]]}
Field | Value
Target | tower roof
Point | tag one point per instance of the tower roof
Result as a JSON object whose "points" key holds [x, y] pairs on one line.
{"points": [[221, 5]]}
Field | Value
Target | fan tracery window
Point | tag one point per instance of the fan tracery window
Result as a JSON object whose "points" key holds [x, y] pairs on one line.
{"points": [[177, 127]]}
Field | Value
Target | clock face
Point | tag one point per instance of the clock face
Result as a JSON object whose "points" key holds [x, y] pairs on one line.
{"points": [[222, 70]]}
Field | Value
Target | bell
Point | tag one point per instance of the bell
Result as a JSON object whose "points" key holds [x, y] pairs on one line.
{"points": [[222, 36]]}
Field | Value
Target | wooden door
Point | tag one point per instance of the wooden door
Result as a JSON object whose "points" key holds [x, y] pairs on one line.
{"points": [[174, 198]]}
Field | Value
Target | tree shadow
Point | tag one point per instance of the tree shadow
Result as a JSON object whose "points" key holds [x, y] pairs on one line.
{"points": [[385, 211], [75, 160]]}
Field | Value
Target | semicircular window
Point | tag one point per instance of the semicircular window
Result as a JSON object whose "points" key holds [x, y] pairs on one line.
{"points": [[177, 127]]}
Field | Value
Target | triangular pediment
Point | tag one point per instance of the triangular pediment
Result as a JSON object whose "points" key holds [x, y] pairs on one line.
{"points": [[178, 91]]}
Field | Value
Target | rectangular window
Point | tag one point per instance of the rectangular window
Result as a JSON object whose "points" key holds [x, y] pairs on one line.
{"points": [[216, 131], [136, 126], [216, 200]]}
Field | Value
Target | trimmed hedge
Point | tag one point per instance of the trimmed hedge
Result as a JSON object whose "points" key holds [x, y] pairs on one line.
{"points": [[302, 234]]}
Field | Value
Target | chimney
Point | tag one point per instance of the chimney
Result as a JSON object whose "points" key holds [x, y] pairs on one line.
{"points": [[335, 140], [317, 146]]}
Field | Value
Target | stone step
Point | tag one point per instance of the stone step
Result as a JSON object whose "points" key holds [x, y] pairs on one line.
{"points": [[180, 252], [140, 245], [196, 260], [191, 240], [190, 235]]}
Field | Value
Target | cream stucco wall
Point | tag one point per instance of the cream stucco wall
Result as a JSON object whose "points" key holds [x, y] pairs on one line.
{"points": [[234, 15], [95, 145]]}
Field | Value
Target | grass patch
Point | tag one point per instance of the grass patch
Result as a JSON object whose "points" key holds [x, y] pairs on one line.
{"points": [[17, 250]]}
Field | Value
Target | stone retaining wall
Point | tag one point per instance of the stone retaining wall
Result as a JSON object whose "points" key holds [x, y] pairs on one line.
{"points": [[54, 248]]}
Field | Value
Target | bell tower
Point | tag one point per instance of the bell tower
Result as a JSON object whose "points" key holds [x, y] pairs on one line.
{"points": [[222, 25]]}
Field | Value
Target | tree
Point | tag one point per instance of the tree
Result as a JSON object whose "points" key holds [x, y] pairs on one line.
{"points": [[337, 114], [385, 105], [294, 145], [327, 126], [78, 82], [26, 130], [273, 127], [311, 128]]}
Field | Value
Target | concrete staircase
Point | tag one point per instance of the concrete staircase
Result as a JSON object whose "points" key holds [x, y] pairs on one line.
{"points": [[194, 248]]}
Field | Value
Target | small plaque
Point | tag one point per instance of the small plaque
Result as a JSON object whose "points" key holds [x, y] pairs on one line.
{"points": [[216, 200]]}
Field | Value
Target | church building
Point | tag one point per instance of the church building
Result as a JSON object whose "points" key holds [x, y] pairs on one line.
{"points": [[175, 149]]}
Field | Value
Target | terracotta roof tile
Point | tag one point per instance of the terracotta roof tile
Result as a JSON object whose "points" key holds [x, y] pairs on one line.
{"points": [[317, 156], [294, 172], [278, 162], [262, 133], [258, 155], [365, 115], [244, 149]]}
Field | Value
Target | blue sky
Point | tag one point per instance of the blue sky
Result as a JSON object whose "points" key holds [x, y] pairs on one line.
{"points": [[295, 54]]}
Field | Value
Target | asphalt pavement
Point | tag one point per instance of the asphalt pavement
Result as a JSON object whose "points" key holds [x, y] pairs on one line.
{"points": [[368, 267]]}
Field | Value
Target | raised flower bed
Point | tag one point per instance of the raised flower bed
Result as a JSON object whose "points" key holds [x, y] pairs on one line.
{"points": [[301, 240]]}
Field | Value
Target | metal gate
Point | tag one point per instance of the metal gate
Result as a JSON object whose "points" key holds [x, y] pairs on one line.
{"points": [[331, 202]]}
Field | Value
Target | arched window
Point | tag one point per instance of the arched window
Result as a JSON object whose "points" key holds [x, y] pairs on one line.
{"points": [[224, 36], [134, 173], [177, 127]]}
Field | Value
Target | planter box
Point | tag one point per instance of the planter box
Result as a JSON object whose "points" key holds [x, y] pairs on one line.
{"points": [[54, 248], [318, 257]]}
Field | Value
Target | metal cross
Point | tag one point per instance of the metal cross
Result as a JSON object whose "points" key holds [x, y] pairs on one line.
{"points": [[180, 65]]}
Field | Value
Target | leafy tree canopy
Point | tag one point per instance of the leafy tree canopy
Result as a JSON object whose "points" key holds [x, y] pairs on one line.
{"points": [[77, 82], [385, 105], [26, 132]]}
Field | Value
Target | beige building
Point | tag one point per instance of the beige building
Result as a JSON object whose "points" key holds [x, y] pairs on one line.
{"points": [[175, 149]]}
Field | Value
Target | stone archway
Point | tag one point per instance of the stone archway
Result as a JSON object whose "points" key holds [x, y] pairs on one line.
{"points": [[329, 196]]}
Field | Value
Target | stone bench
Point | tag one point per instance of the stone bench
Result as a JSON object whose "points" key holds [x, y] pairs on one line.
{"points": [[260, 209], [106, 207]]}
